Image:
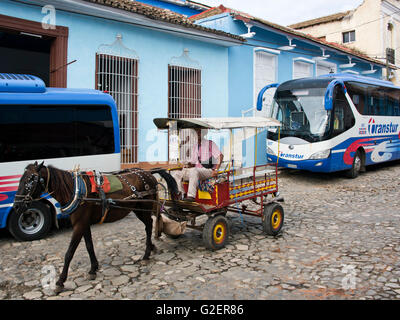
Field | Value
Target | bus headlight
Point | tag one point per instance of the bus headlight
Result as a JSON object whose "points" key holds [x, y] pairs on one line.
{"points": [[270, 151], [321, 155]]}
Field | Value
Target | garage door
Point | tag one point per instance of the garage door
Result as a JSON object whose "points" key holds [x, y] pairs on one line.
{"points": [[265, 70], [302, 69]]}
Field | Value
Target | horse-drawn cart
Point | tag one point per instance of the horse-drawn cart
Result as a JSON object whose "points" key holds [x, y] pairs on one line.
{"points": [[231, 189], [87, 199]]}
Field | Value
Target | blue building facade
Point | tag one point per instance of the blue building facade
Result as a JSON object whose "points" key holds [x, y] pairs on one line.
{"points": [[149, 46]]}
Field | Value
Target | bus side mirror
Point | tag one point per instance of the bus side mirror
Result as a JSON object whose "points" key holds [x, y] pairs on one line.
{"points": [[329, 93], [261, 95]]}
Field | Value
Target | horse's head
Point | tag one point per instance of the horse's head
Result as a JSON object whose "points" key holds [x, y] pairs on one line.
{"points": [[31, 185]]}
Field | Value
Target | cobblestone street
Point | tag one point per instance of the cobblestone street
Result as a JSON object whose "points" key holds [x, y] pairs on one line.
{"points": [[340, 240]]}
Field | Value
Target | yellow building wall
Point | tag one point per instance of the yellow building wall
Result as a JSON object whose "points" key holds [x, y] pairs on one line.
{"points": [[370, 22]]}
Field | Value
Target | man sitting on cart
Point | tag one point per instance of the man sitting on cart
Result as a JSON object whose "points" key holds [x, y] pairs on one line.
{"points": [[204, 163]]}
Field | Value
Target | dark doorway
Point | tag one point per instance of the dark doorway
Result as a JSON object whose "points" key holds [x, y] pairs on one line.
{"points": [[26, 47], [25, 53]]}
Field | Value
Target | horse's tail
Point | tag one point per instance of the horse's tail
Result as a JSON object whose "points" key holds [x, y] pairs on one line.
{"points": [[173, 189]]}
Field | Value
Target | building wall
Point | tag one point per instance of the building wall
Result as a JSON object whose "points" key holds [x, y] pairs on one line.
{"points": [[155, 50], [370, 22], [332, 31]]}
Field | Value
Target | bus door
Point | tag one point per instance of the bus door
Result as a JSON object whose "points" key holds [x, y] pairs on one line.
{"points": [[343, 117]]}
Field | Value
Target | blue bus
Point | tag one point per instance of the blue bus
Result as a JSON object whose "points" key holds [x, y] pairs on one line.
{"points": [[62, 127], [335, 122]]}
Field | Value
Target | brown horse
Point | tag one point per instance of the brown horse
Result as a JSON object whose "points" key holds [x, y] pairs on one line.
{"points": [[73, 191]]}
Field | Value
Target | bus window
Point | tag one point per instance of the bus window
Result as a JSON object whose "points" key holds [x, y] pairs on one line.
{"points": [[60, 131], [338, 120], [343, 118], [374, 100], [390, 107], [396, 110], [392, 100], [359, 102]]}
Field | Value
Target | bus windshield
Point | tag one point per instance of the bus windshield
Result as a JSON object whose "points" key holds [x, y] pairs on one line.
{"points": [[302, 113]]}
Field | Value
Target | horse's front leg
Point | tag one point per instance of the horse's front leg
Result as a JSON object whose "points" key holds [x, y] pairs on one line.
{"points": [[94, 264], [75, 240]]}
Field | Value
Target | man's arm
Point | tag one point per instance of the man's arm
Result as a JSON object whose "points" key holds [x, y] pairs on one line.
{"points": [[216, 169]]}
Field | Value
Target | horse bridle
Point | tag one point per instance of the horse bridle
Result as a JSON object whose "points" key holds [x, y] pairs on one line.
{"points": [[31, 184]]}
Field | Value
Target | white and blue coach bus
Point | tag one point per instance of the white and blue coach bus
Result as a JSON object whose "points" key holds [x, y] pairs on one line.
{"points": [[336, 122], [63, 128]]}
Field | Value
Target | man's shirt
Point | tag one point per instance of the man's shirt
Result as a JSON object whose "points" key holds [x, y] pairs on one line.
{"points": [[204, 152]]}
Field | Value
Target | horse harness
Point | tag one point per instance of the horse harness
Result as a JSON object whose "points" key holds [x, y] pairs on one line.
{"points": [[140, 174], [136, 195], [80, 188], [139, 195]]}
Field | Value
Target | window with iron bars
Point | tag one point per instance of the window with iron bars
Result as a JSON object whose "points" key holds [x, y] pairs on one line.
{"points": [[184, 101], [119, 77]]}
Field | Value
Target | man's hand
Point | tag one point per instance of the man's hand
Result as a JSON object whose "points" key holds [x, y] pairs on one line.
{"points": [[216, 169]]}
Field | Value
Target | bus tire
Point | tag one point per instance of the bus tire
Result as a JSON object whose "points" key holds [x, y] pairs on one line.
{"points": [[216, 232], [272, 219], [356, 167], [33, 224]]}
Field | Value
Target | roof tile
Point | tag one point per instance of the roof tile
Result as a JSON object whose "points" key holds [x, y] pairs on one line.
{"points": [[321, 20], [160, 14]]}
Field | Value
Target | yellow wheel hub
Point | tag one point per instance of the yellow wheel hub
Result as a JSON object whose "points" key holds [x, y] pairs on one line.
{"points": [[276, 219], [219, 233]]}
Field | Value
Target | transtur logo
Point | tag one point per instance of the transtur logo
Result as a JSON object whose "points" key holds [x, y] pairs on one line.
{"points": [[381, 128], [291, 156], [371, 122]]}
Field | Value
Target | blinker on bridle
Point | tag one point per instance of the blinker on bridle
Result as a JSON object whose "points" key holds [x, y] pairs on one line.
{"points": [[31, 185]]}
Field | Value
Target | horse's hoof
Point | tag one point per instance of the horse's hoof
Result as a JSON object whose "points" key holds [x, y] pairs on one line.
{"points": [[92, 276], [144, 261], [58, 289]]}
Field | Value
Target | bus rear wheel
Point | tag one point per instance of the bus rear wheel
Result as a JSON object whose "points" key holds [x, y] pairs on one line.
{"points": [[33, 224]]}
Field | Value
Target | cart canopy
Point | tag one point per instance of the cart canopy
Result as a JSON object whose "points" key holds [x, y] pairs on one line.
{"points": [[217, 123]]}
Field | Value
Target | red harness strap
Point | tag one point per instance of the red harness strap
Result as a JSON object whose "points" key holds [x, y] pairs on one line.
{"points": [[94, 187]]}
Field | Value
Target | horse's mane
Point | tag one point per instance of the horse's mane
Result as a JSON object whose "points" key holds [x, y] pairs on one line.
{"points": [[61, 184]]}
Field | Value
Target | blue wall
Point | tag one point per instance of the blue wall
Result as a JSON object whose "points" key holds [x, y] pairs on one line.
{"points": [[154, 49]]}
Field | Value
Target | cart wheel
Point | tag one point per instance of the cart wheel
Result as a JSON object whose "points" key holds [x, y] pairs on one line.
{"points": [[216, 233], [272, 219]]}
